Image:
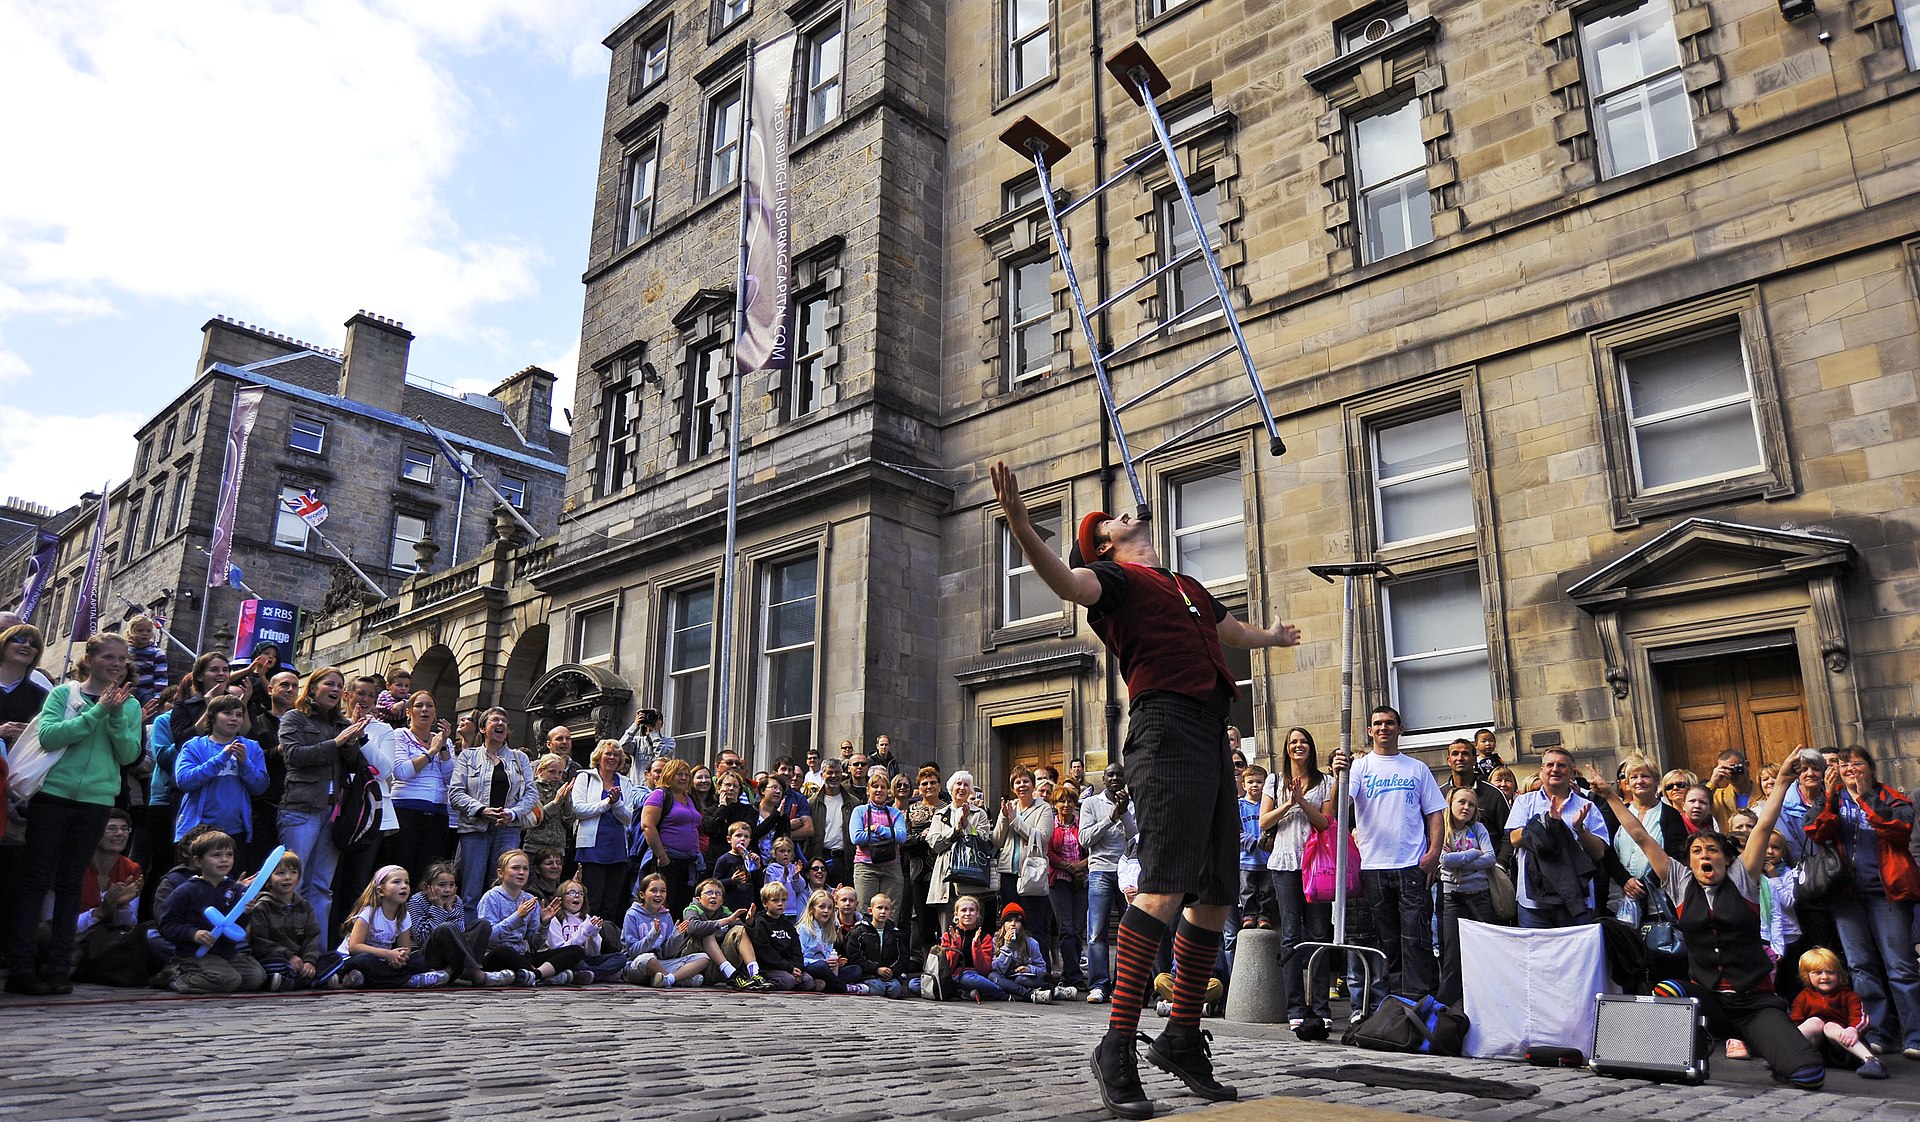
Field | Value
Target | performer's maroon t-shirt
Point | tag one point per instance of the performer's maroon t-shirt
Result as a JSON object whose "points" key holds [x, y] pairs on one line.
{"points": [[1161, 644]]}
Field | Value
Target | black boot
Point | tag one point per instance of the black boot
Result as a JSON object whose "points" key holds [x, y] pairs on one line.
{"points": [[1116, 1071], [1187, 1054]]}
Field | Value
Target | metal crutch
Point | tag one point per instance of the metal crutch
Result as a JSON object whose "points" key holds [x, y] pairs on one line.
{"points": [[1366, 956]]}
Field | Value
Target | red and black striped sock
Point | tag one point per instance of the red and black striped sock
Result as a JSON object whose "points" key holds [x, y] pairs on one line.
{"points": [[1195, 951], [1133, 954]]}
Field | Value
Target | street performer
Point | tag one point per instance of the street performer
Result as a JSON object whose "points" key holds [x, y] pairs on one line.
{"points": [[1166, 630]]}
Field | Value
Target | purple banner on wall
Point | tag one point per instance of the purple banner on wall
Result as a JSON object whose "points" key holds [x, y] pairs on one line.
{"points": [[39, 568], [766, 302], [246, 409], [86, 607]]}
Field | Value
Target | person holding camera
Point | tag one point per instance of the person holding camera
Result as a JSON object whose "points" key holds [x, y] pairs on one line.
{"points": [[1731, 785]]}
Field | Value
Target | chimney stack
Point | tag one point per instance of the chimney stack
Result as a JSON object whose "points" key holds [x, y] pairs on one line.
{"points": [[528, 400], [376, 363]]}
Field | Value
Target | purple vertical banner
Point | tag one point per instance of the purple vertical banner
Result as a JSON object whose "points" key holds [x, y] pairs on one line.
{"points": [[86, 607], [246, 409], [765, 340], [39, 568]]}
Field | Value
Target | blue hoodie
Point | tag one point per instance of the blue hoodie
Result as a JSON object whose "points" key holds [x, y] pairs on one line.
{"points": [[217, 789]]}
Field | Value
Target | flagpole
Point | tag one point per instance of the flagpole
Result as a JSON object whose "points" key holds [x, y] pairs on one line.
{"points": [[242, 584], [357, 570], [90, 597], [468, 472], [723, 725]]}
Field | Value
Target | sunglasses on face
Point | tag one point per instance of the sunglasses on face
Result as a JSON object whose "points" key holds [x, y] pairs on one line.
{"points": [[1675, 787]]}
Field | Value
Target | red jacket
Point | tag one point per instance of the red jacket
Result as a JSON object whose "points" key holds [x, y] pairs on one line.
{"points": [[1890, 813], [1841, 1007], [965, 954]]}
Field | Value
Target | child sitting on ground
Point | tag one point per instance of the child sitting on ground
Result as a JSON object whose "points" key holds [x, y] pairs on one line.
{"points": [[226, 967], [738, 869], [819, 957], [518, 919], [1018, 966], [379, 937], [722, 934], [657, 951], [969, 953], [283, 934], [446, 942], [574, 927], [1828, 1012], [879, 949], [777, 943]]}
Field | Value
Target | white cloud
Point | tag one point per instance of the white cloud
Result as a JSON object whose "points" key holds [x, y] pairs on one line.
{"points": [[51, 458], [288, 160]]}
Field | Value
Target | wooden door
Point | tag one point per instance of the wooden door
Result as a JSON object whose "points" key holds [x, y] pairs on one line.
{"points": [[1029, 743], [1752, 701]]}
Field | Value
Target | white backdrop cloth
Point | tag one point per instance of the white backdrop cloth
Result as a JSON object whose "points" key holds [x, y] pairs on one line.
{"points": [[1530, 988]]}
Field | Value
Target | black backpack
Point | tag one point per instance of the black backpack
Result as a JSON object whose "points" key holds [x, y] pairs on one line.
{"points": [[356, 818]]}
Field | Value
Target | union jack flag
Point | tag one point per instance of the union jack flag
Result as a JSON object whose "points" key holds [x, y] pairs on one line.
{"points": [[307, 507]]}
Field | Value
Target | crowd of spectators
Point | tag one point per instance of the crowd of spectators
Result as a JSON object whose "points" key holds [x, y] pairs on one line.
{"points": [[421, 850]]}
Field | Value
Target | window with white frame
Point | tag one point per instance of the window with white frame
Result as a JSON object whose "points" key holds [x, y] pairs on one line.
{"points": [[639, 187], [689, 660], [1909, 11], [726, 13], [723, 123], [803, 374], [706, 399], [408, 530], [650, 61], [1028, 316], [1189, 287], [181, 493], [289, 530], [1422, 485], [822, 58], [514, 491], [619, 422], [131, 546], [593, 634], [416, 466], [789, 598], [155, 516], [307, 435], [1391, 201], [1029, 42], [1639, 96], [1438, 674], [1690, 410], [1208, 522], [1019, 193], [1023, 595]]}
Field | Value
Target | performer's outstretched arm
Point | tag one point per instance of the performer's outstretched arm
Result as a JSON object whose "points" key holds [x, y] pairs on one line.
{"points": [[1077, 585], [1235, 632]]}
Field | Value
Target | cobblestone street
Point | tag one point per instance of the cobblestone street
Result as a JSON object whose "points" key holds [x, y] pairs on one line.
{"points": [[618, 1052]]}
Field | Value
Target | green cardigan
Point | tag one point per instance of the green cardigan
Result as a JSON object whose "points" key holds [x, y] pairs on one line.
{"points": [[96, 744]]}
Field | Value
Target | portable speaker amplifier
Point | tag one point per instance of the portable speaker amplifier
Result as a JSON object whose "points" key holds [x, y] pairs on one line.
{"points": [[1648, 1037]]}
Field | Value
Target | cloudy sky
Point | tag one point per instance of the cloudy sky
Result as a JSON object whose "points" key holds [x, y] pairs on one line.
{"points": [[284, 163]]}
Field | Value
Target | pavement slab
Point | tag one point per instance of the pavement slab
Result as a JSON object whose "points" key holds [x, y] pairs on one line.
{"points": [[615, 1052]]}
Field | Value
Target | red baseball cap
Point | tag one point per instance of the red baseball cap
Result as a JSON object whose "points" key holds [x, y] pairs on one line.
{"points": [[1086, 543]]}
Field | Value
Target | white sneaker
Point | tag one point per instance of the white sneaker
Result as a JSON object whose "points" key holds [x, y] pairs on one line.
{"points": [[499, 977], [1041, 997], [1096, 996], [429, 979], [1065, 993]]}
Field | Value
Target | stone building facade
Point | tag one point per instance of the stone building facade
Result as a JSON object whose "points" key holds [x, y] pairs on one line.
{"points": [[1596, 324], [340, 422]]}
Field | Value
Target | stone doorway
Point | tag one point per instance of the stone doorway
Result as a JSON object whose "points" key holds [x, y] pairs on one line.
{"points": [[1750, 700]]}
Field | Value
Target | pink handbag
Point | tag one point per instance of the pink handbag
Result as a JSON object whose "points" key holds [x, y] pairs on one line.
{"points": [[1317, 862]]}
